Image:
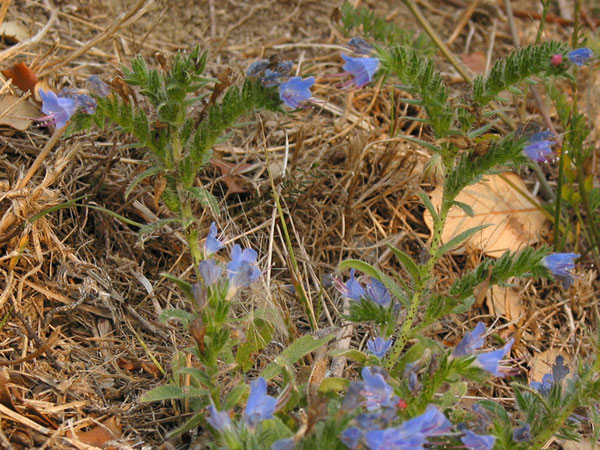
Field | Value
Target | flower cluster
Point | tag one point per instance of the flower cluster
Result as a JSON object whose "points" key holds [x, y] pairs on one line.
{"points": [[241, 269], [488, 361], [561, 265], [538, 146], [374, 290]]}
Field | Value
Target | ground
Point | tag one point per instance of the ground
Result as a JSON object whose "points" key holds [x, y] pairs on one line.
{"points": [[81, 291]]}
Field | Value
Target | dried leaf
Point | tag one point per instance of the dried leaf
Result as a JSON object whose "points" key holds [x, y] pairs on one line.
{"points": [[17, 114], [515, 223], [234, 182], [13, 32], [542, 363], [475, 61], [505, 302], [22, 76], [108, 430]]}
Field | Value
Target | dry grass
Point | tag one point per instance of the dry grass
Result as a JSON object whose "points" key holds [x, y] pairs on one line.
{"points": [[81, 291]]}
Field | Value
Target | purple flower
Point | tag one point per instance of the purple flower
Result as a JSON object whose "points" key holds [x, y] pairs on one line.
{"points": [[410, 374], [472, 341], [210, 271], [579, 56], [538, 150], [212, 244], [375, 391], [284, 444], [522, 434], [98, 87], [379, 346], [398, 438], [260, 406], [219, 420], [431, 423], [242, 268], [377, 292], [295, 90], [363, 69], [352, 289], [545, 386], [474, 441], [351, 436], [58, 110], [360, 46], [490, 361], [561, 265], [257, 67]]}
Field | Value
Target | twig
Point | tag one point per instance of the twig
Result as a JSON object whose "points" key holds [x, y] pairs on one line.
{"points": [[23, 45], [41, 157], [5, 4], [464, 20]]}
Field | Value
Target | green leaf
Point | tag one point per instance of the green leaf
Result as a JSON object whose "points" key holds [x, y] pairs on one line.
{"points": [[333, 384], [171, 392], [235, 396], [408, 263], [352, 354], [145, 174], [298, 349], [466, 208], [200, 376], [193, 423], [258, 336], [206, 199], [184, 317], [427, 202], [421, 142], [183, 285], [459, 238], [479, 131]]}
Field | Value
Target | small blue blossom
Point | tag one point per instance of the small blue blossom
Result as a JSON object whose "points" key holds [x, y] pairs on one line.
{"points": [[579, 56], [522, 434], [379, 346], [431, 423], [398, 438], [363, 69], [271, 78], [545, 386], [210, 271], [260, 406], [352, 289], [98, 87], [58, 110], [284, 444], [377, 292], [410, 374], [285, 67], [350, 437], [360, 46], [490, 361], [295, 91], [219, 420], [472, 341], [242, 268], [561, 265], [559, 371], [474, 441], [375, 391], [538, 150], [212, 244], [257, 67]]}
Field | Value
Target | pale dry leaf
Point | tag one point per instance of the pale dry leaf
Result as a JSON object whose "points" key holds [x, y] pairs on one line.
{"points": [[13, 31], [16, 113], [583, 444], [505, 302], [542, 363], [514, 222]]}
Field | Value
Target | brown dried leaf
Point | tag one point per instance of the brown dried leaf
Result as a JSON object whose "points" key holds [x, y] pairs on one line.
{"points": [[505, 302], [109, 430], [515, 223], [22, 76], [475, 61], [17, 114]]}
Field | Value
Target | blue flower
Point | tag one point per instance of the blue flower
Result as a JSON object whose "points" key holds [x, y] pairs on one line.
{"points": [[284, 444], [375, 391], [522, 434], [538, 150], [219, 420], [285, 67], [260, 406], [397, 438], [351, 437], [474, 441], [58, 110], [257, 67], [431, 423], [545, 386], [352, 289], [580, 55], [377, 292], [212, 244], [559, 371], [271, 78], [242, 269], [360, 46], [561, 265], [295, 90], [98, 87], [472, 341], [363, 69], [490, 361], [210, 271], [379, 346]]}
